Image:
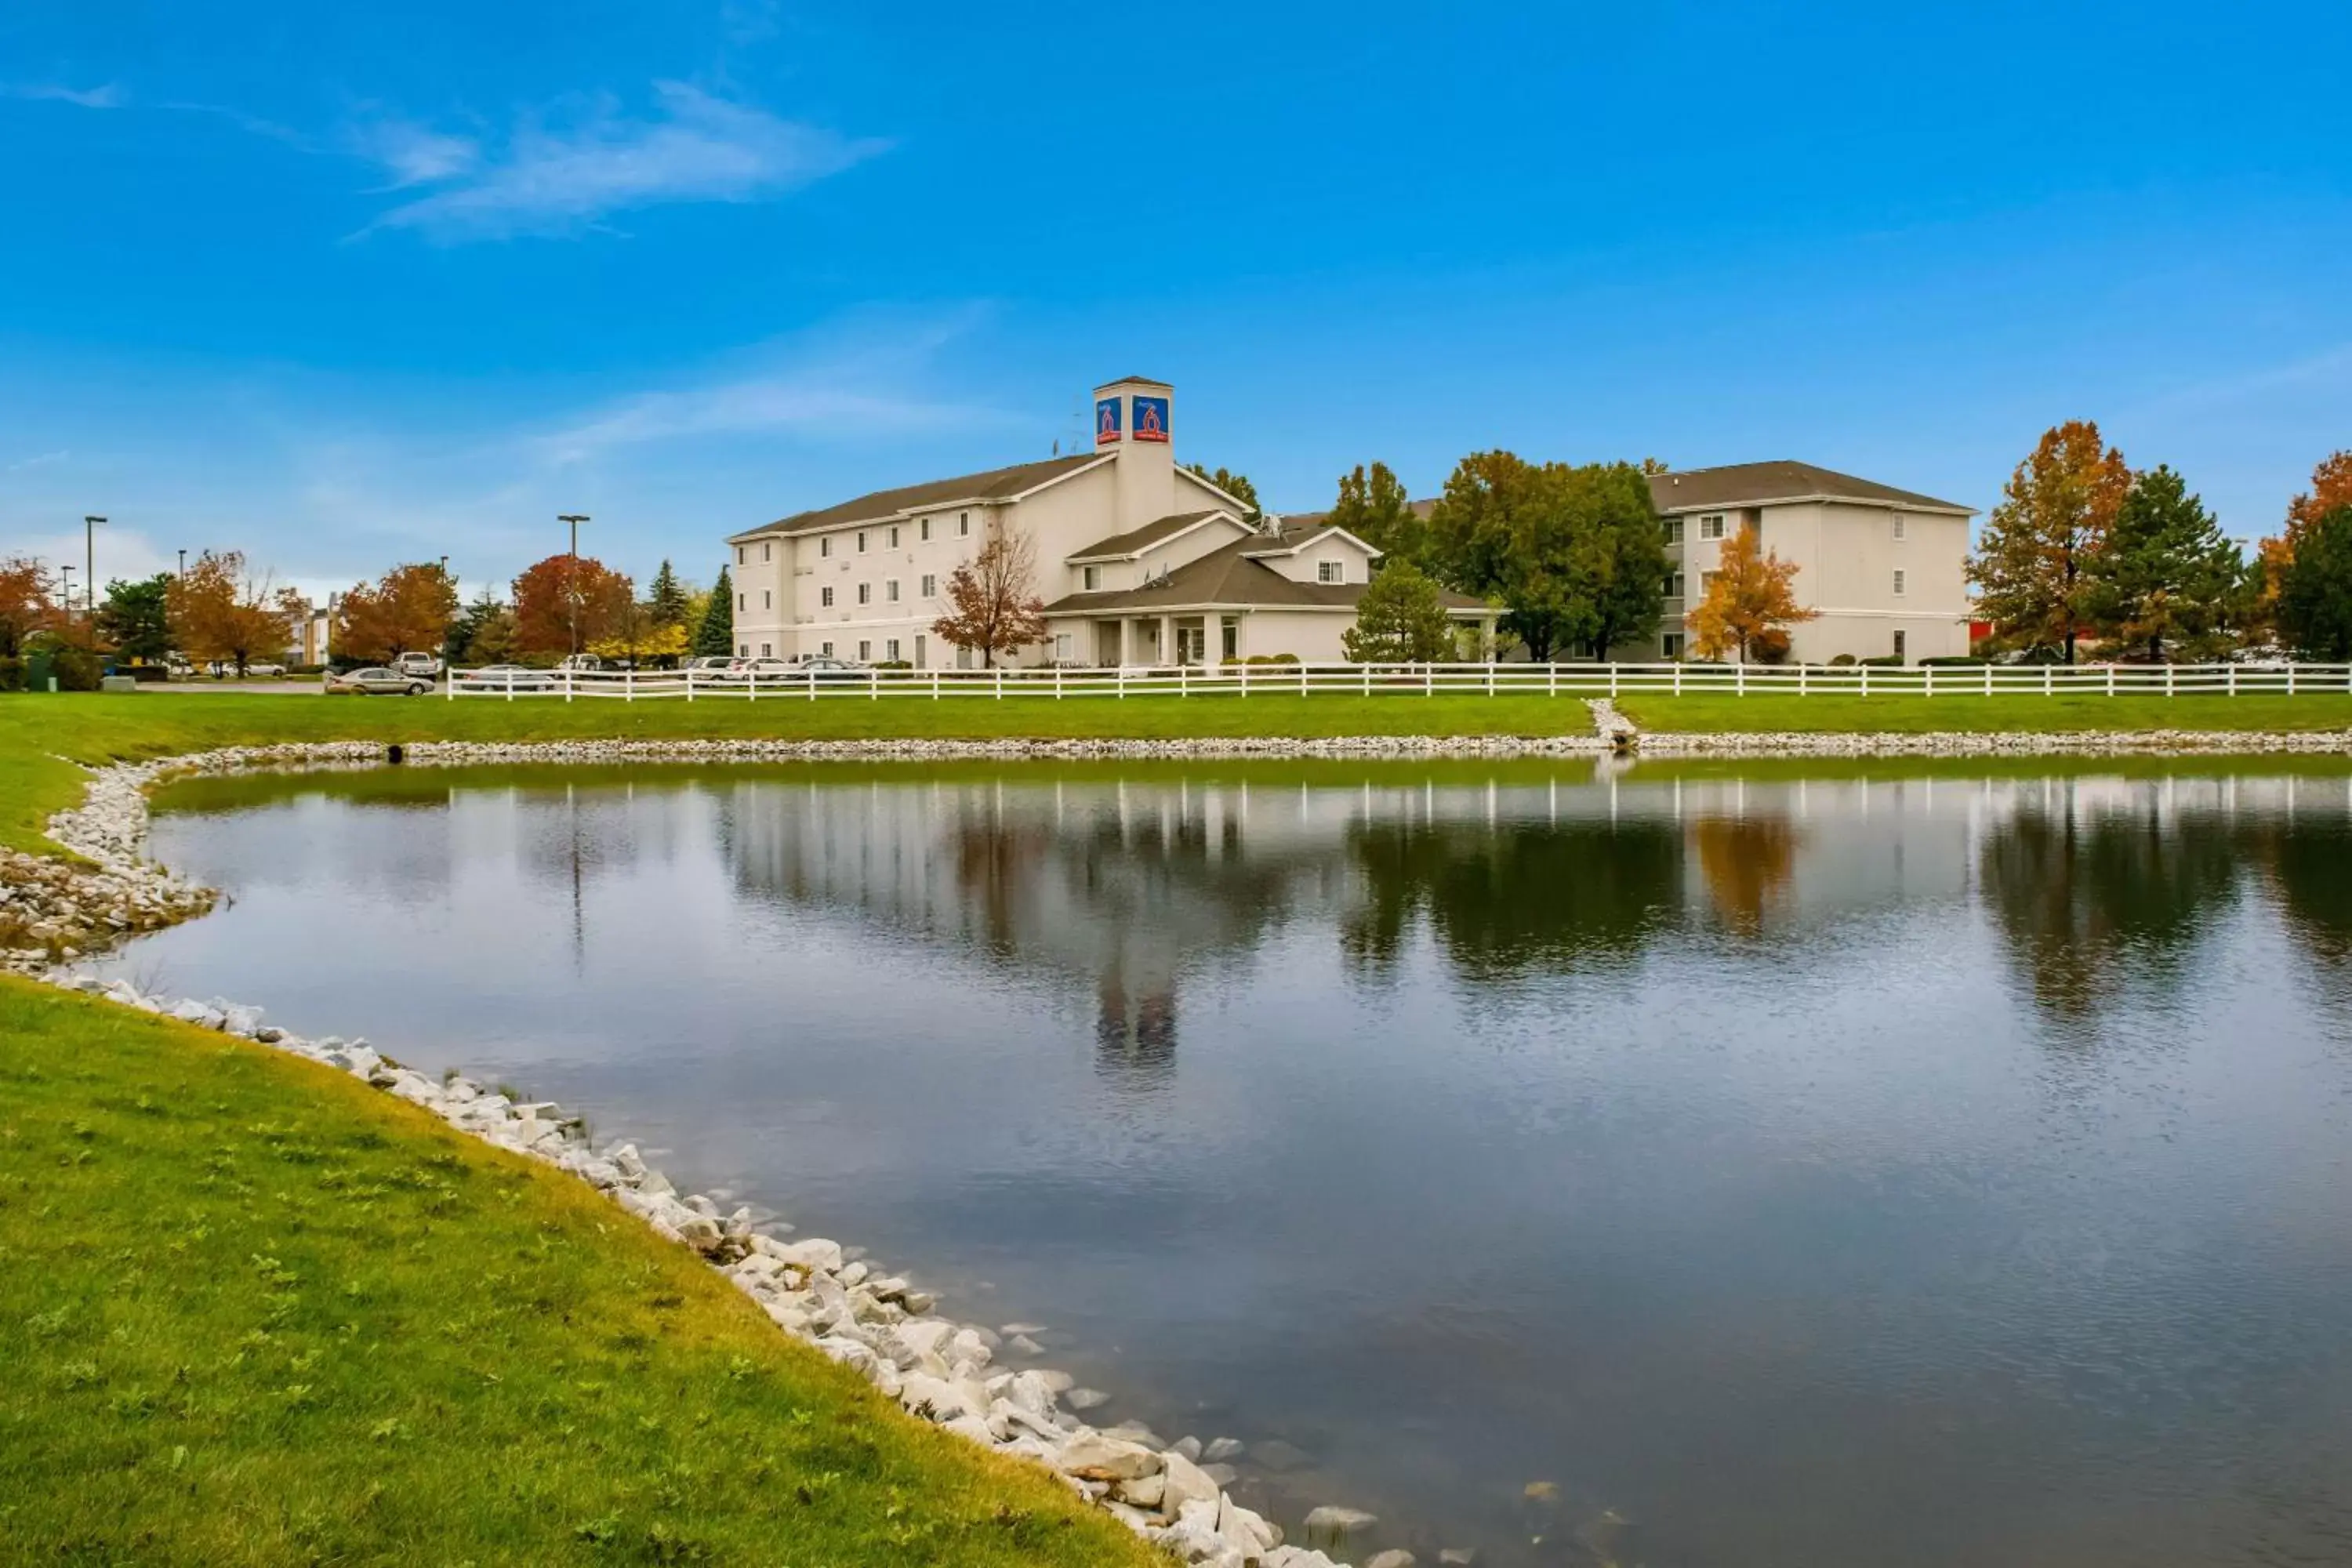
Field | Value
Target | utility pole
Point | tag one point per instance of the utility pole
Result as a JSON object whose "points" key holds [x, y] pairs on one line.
{"points": [[65, 592], [572, 574], [90, 561], [183, 563]]}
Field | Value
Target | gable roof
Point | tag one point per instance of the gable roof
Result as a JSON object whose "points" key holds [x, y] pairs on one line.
{"points": [[989, 485], [1754, 484], [1292, 538], [1231, 574], [1136, 541]]}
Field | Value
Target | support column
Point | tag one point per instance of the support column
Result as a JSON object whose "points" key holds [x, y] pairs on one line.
{"points": [[1167, 639]]}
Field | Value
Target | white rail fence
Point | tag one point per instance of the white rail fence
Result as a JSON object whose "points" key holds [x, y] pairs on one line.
{"points": [[1416, 679]]}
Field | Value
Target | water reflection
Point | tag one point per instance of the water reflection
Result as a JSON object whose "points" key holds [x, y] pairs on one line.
{"points": [[1684, 1145]]}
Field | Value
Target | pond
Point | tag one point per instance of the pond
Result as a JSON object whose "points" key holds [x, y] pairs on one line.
{"points": [[1744, 1164]]}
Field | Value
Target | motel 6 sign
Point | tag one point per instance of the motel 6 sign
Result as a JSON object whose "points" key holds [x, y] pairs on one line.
{"points": [[1150, 420]]}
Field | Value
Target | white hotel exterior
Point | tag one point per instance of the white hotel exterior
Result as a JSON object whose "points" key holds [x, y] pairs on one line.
{"points": [[1140, 562]]}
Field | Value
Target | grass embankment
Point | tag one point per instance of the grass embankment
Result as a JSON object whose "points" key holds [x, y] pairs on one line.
{"points": [[2007, 712], [254, 1311]]}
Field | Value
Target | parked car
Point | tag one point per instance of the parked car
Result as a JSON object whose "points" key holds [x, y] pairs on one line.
{"points": [[425, 665], [580, 663], [506, 678], [376, 682], [711, 666], [222, 668], [818, 667]]}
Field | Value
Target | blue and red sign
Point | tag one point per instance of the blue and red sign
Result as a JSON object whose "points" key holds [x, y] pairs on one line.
{"points": [[1151, 419], [1106, 421]]}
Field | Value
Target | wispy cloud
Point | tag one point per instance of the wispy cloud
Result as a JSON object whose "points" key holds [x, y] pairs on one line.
{"points": [[413, 154], [696, 148], [38, 460], [111, 96]]}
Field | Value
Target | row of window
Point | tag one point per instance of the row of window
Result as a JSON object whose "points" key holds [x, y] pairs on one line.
{"points": [[1674, 582], [864, 649], [1711, 526], [863, 538], [1672, 645], [864, 594]]}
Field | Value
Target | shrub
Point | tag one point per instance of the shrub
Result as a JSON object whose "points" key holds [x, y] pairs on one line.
{"points": [[1769, 646], [12, 674], [1951, 658], [76, 669], [1843, 661], [1884, 661]]}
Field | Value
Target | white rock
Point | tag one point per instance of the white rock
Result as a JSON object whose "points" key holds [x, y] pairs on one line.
{"points": [[1143, 1491], [1086, 1398], [1021, 1345], [1224, 1448], [1252, 1532], [1097, 1457], [1336, 1519], [1395, 1557], [1185, 1484], [1189, 1446], [816, 1252]]}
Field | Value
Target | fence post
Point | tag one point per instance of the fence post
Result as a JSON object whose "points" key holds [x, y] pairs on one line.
{"points": [[1000, 683], [567, 685], [1678, 677], [451, 694], [1612, 679], [2111, 680], [2290, 680], [1302, 678], [1368, 677], [1739, 678], [1057, 683], [1801, 680], [2050, 680], [1490, 678], [1428, 680], [1866, 679], [1927, 679], [873, 685], [1988, 681], [2167, 680], [2233, 680], [689, 683], [1122, 682], [1244, 670]]}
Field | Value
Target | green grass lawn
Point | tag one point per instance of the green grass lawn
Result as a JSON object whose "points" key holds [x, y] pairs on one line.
{"points": [[252, 1312], [2009, 711]]}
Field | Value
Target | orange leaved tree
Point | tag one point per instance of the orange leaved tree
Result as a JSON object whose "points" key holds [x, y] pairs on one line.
{"points": [[990, 607], [1750, 602], [25, 606], [2331, 486], [566, 602], [2030, 568], [408, 610], [220, 612]]}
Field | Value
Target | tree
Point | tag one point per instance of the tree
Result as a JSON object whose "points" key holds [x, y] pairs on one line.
{"points": [[2053, 518], [669, 600], [1235, 485], [566, 602], [714, 637], [1574, 553], [25, 604], [1749, 595], [136, 617], [220, 612], [409, 608], [2166, 575], [1375, 507], [990, 607], [2331, 486], [482, 633], [641, 638], [1398, 620], [2315, 604]]}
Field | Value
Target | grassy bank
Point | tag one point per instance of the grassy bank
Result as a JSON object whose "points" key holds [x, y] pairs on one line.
{"points": [[254, 1311], [2017, 713]]}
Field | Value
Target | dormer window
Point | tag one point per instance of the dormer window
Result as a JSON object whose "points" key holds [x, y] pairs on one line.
{"points": [[1330, 570], [1091, 576]]}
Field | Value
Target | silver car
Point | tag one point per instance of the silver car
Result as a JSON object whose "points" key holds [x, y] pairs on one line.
{"points": [[376, 682]]}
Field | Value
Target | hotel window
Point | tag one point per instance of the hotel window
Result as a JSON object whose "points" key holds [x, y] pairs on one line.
{"points": [[825, 545], [767, 599], [1674, 584], [894, 536], [767, 650], [766, 551], [963, 525], [1091, 576], [865, 593], [825, 597], [1899, 640], [861, 541], [1711, 526], [1898, 581], [739, 601], [1061, 648], [890, 592], [1330, 570], [890, 650], [922, 655], [826, 648], [740, 556], [1673, 527], [1706, 580], [865, 650], [743, 650], [1674, 644], [1899, 520], [930, 586], [923, 531], [1233, 629]]}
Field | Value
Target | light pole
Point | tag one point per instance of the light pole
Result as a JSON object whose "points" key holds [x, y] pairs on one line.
{"points": [[183, 563], [90, 561], [572, 574], [64, 577]]}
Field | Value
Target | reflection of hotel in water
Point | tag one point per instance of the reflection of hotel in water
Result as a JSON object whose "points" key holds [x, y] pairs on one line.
{"points": [[1123, 884]]}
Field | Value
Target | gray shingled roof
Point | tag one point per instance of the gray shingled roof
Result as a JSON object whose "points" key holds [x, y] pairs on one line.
{"points": [[1136, 541], [1227, 575], [1750, 484], [994, 485]]}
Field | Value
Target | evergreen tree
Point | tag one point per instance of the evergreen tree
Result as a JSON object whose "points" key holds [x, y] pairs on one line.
{"points": [[2166, 576], [1375, 507], [1399, 620], [2315, 604], [716, 637], [1235, 485], [668, 599], [135, 619]]}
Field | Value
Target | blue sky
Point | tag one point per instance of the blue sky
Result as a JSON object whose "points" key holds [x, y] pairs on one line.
{"points": [[345, 285]]}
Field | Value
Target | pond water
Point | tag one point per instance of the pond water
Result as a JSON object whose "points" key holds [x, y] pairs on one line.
{"points": [[1691, 1168]]}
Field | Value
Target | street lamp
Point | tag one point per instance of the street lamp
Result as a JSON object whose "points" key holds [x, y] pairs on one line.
{"points": [[65, 592], [572, 574], [183, 563], [90, 561]]}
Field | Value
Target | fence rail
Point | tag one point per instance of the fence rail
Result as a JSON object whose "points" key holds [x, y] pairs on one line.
{"points": [[1414, 679]]}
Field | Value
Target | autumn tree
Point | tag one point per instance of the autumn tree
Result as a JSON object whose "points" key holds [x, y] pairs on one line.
{"points": [[714, 635], [136, 620], [567, 602], [1235, 485], [221, 613], [1749, 600], [2054, 515], [991, 608], [1400, 619], [2331, 486], [408, 609], [25, 604], [2314, 603], [2166, 576], [1375, 507]]}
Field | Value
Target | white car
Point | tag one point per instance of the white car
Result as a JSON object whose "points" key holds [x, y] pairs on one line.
{"points": [[423, 666]]}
